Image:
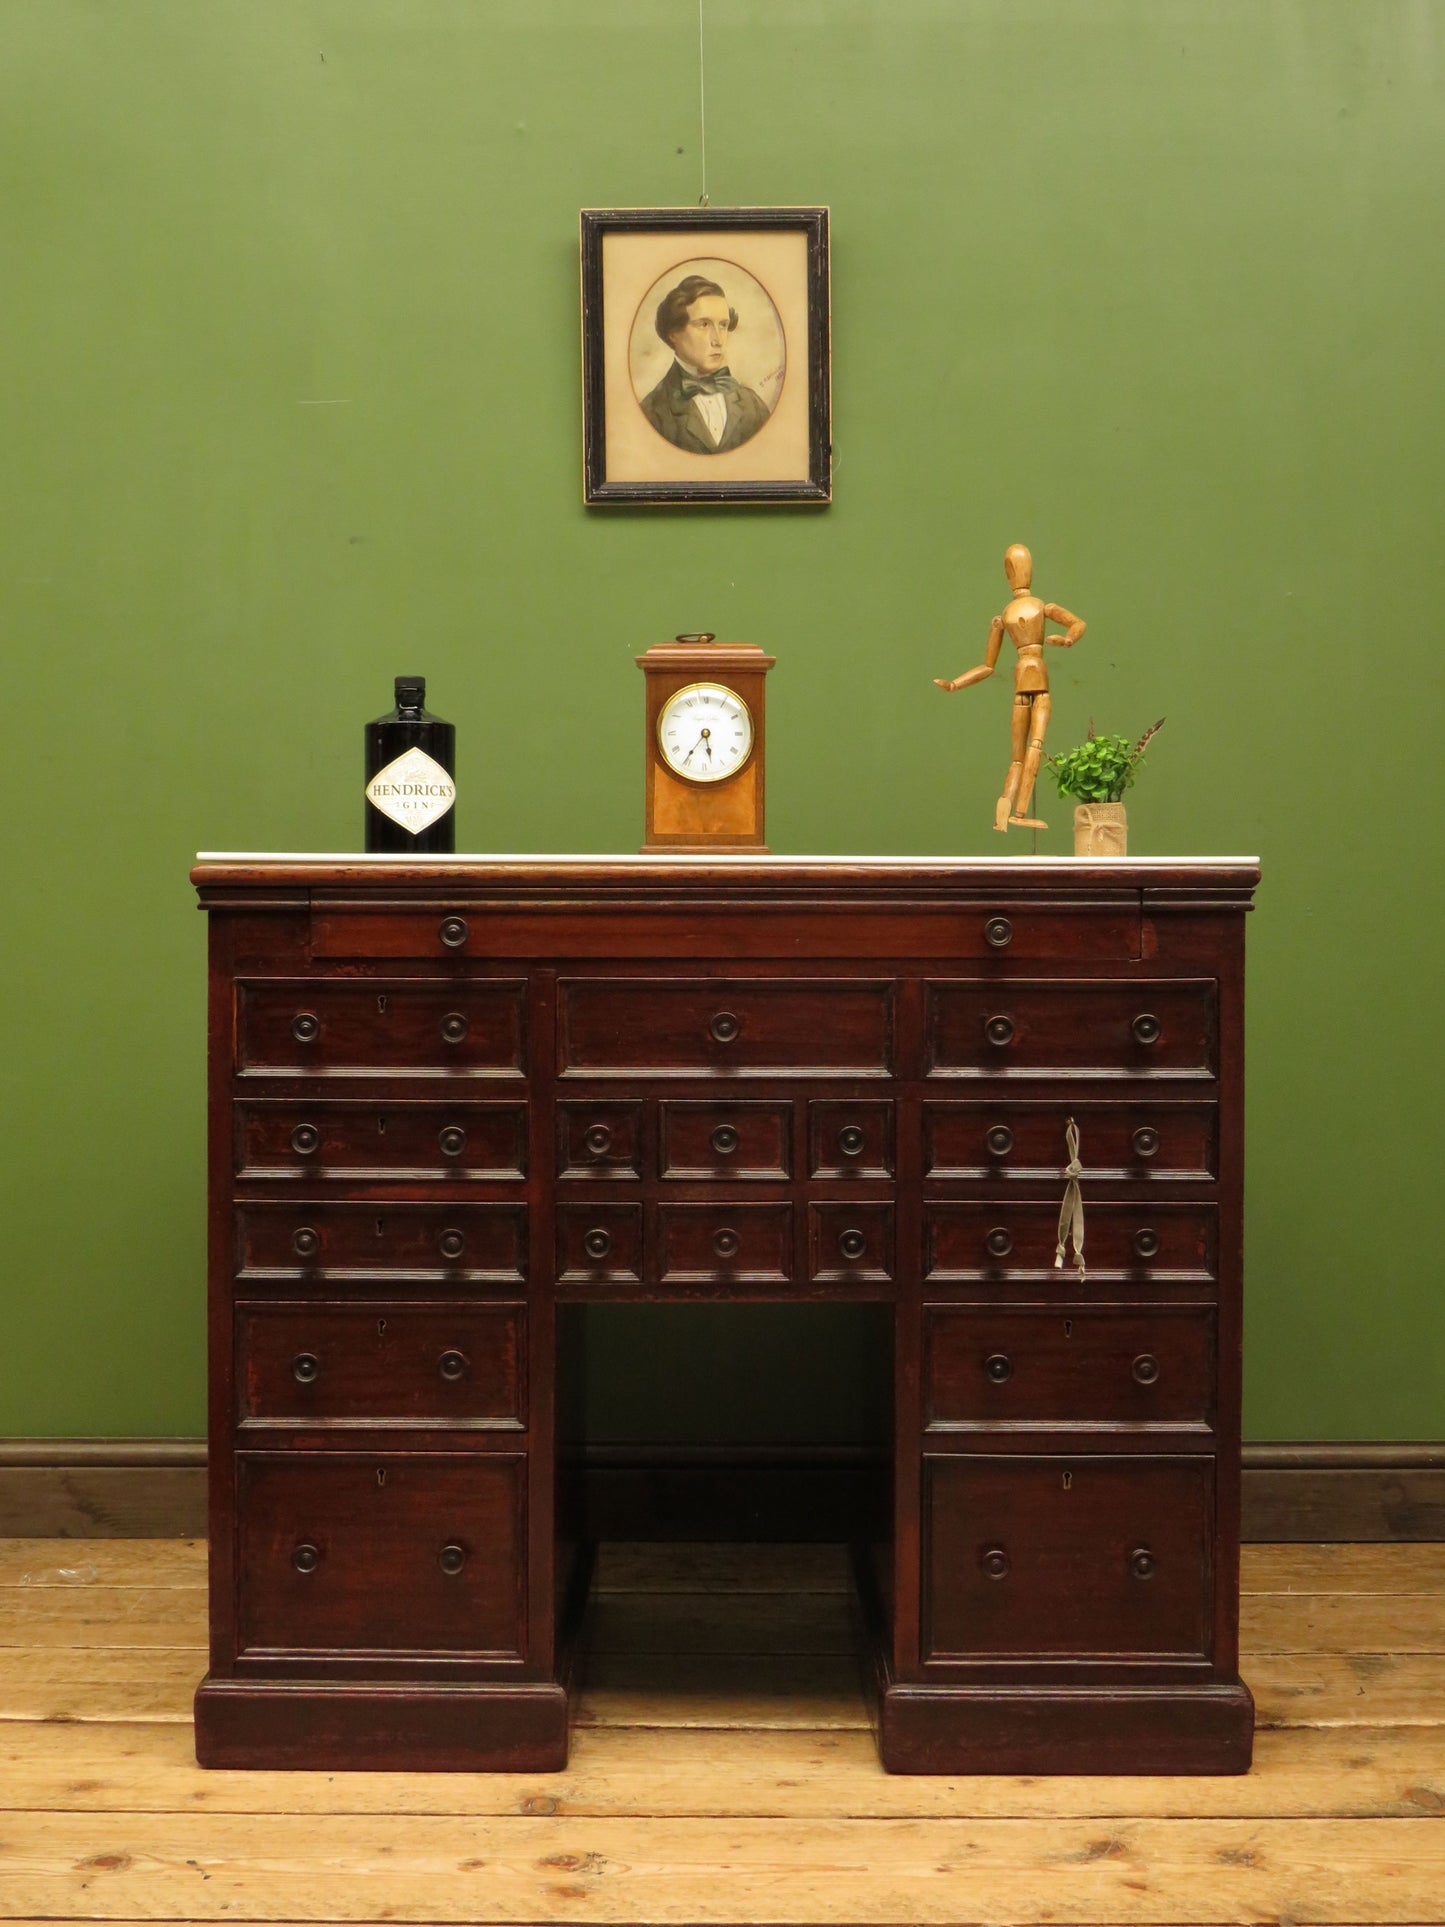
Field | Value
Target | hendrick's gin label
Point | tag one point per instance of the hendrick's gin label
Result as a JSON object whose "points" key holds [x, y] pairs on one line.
{"points": [[410, 791]]}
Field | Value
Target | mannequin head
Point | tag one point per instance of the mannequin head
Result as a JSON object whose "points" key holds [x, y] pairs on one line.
{"points": [[1018, 566]]}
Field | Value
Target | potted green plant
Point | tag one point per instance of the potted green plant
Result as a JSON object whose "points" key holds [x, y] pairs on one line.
{"points": [[1098, 772]]}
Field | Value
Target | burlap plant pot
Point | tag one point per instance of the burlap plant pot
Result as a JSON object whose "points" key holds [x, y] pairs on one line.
{"points": [[1101, 829]]}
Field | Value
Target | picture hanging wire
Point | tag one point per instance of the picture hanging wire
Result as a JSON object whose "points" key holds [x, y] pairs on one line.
{"points": [[702, 199]]}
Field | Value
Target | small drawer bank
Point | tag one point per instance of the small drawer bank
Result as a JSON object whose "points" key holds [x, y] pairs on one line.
{"points": [[451, 1099]]}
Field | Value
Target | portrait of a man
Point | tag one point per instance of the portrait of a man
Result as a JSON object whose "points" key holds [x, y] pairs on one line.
{"points": [[705, 368], [699, 404]]}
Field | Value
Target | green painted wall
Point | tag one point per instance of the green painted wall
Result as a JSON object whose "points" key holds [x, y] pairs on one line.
{"points": [[291, 403]]}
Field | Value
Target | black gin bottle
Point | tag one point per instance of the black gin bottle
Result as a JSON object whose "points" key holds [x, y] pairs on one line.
{"points": [[410, 766]]}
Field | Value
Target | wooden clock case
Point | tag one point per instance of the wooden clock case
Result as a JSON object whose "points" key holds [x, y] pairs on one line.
{"points": [[726, 815]]}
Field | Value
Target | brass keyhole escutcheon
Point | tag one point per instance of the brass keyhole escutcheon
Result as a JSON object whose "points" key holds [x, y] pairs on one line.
{"points": [[381, 1475], [1068, 1328], [1068, 1482], [381, 1006], [381, 1127], [381, 1328]]}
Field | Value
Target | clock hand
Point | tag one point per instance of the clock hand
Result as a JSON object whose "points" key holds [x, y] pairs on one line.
{"points": [[693, 751]]}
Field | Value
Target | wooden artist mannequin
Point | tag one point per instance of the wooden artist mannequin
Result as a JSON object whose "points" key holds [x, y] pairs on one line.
{"points": [[1023, 621]]}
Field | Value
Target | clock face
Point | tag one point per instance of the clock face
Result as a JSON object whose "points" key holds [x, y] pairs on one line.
{"points": [[705, 732]]}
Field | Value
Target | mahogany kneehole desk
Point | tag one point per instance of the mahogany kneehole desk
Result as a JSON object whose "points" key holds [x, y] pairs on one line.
{"points": [[451, 1096]]}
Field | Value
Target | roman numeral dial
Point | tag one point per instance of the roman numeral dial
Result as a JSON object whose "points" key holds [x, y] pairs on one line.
{"points": [[705, 732]]}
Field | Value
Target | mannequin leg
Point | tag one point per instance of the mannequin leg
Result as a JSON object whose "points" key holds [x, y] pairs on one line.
{"points": [[1019, 735], [1039, 722]]}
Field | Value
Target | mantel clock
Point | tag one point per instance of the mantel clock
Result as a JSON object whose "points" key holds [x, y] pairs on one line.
{"points": [[704, 744]]}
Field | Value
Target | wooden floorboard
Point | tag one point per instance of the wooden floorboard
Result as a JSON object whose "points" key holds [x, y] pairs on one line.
{"points": [[722, 1770]]}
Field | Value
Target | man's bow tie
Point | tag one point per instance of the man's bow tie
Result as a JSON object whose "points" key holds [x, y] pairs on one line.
{"points": [[724, 382]]}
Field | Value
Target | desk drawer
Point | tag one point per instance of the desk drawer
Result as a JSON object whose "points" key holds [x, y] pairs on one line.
{"points": [[1140, 1141], [355, 1364], [1031, 1365], [716, 1139], [420, 1142], [1067, 1556], [380, 1554], [599, 1244], [850, 1139], [741, 1243], [1069, 1029], [670, 1027], [850, 1243], [998, 1240], [471, 1242], [378, 1028]]}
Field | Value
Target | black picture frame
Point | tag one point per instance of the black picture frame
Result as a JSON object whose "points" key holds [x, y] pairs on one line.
{"points": [[807, 452]]}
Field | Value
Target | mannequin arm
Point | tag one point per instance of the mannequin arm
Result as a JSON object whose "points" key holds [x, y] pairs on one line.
{"points": [[1074, 624], [986, 667]]}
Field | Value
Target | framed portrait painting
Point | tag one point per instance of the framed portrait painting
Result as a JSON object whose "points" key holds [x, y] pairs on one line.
{"points": [[705, 371]]}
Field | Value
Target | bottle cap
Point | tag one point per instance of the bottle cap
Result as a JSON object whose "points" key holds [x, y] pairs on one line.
{"points": [[410, 692]]}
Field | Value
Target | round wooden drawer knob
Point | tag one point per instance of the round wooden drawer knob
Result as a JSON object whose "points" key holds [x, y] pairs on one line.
{"points": [[1142, 1563], [305, 1139], [998, 933], [995, 1562], [306, 1368], [998, 1369], [1146, 1028], [306, 1557], [1146, 1244], [453, 932], [454, 1027], [452, 1366], [305, 1027], [1000, 1141], [999, 1241], [999, 1031], [724, 1140], [724, 1027], [851, 1141], [451, 1244], [451, 1559], [852, 1244], [305, 1242], [726, 1243], [452, 1141], [597, 1243], [1145, 1141], [598, 1139], [1146, 1368]]}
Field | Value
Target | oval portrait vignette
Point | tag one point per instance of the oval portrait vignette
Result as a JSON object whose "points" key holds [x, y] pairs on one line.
{"points": [[707, 355]]}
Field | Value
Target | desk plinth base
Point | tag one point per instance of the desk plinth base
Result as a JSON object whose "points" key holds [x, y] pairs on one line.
{"points": [[1065, 1729], [335, 1726]]}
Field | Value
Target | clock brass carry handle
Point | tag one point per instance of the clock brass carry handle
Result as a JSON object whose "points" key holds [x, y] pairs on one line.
{"points": [[703, 635], [453, 932], [725, 1027]]}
